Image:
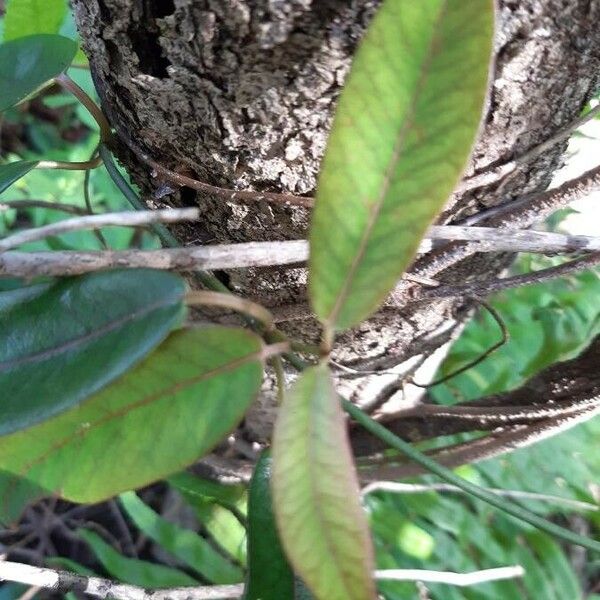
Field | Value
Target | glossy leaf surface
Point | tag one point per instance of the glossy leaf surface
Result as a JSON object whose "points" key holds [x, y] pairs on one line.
{"points": [[270, 576], [29, 62], [62, 342], [316, 495], [12, 172], [28, 17], [187, 546], [402, 134], [155, 420]]}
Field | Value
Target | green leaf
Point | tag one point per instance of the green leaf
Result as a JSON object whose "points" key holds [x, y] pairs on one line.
{"points": [[402, 134], [192, 486], [316, 495], [133, 570], [187, 546], [26, 17], [62, 342], [219, 508], [20, 493], [270, 576], [155, 420], [28, 63], [66, 564], [12, 172], [223, 526]]}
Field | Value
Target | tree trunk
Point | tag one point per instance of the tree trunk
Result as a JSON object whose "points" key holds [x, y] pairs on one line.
{"points": [[241, 94]]}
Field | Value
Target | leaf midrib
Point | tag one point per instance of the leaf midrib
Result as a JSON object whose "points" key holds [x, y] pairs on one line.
{"points": [[389, 172], [88, 337], [157, 396], [317, 496]]}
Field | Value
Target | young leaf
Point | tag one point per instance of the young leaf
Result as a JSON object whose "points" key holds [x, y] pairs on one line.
{"points": [[27, 17], [154, 421], [270, 576], [186, 545], [402, 134], [28, 63], [133, 570], [62, 342], [12, 172], [315, 491]]}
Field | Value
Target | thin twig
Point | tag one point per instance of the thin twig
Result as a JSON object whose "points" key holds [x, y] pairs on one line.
{"points": [[227, 256], [504, 338], [62, 582], [416, 488], [494, 171], [229, 301], [484, 288], [218, 192], [164, 235], [514, 215], [193, 258], [457, 579], [70, 166], [19, 204], [254, 254], [68, 84], [125, 219], [431, 465], [515, 240], [88, 200], [506, 439]]}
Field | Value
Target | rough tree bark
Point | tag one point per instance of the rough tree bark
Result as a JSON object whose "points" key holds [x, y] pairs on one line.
{"points": [[241, 93]]}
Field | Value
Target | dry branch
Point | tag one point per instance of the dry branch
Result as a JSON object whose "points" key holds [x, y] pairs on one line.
{"points": [[124, 219], [62, 582], [556, 399], [457, 579], [232, 256]]}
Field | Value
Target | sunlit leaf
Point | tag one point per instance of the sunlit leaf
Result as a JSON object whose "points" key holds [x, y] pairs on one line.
{"points": [[133, 570], [315, 492], [27, 17], [403, 131], [187, 546], [12, 172], [154, 421], [62, 342], [270, 576], [28, 63]]}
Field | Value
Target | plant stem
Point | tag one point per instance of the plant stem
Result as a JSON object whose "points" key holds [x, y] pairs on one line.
{"points": [[474, 490], [68, 84], [225, 300], [68, 165]]}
